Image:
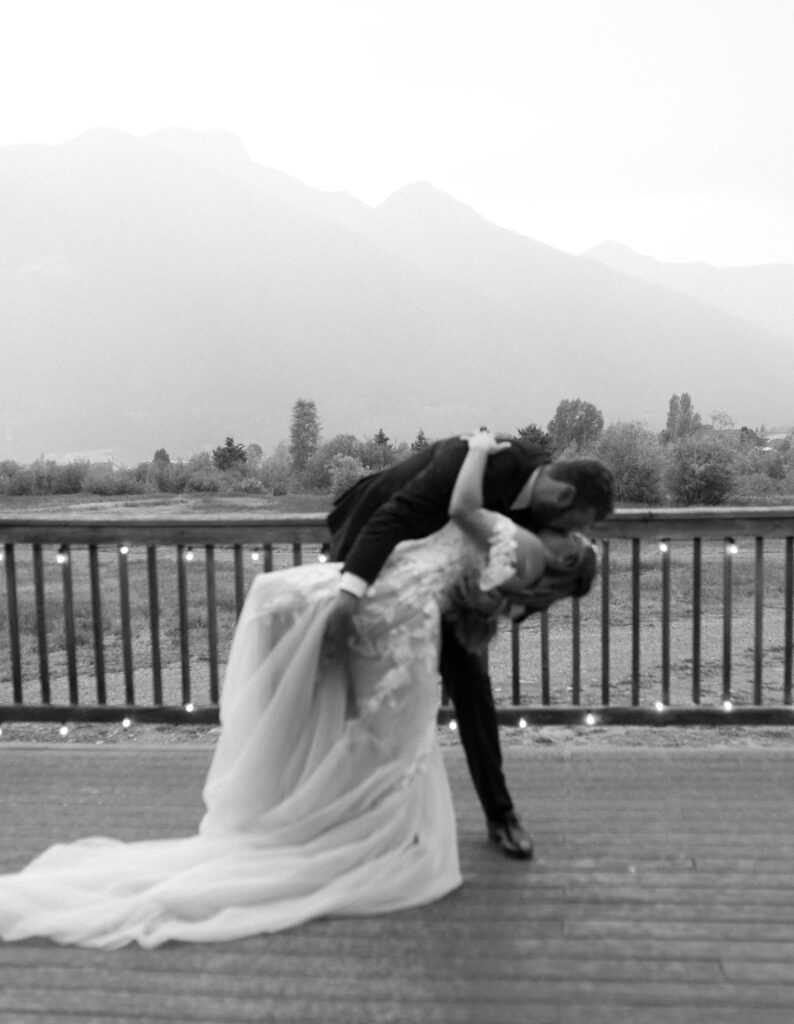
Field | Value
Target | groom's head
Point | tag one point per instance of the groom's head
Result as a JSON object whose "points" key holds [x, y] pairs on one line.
{"points": [[570, 494]]}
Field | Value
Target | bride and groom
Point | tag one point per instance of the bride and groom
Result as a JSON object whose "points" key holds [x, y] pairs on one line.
{"points": [[327, 794]]}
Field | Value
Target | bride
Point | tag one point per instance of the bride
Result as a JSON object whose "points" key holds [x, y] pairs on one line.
{"points": [[326, 794]]}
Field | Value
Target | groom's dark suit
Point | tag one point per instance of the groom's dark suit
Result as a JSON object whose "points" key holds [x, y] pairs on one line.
{"points": [[410, 500]]}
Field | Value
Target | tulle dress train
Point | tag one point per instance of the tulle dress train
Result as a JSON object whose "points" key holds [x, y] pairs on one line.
{"points": [[326, 794]]}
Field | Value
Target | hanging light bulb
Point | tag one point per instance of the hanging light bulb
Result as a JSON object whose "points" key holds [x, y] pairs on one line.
{"points": [[62, 555], [664, 546], [522, 723], [189, 707], [254, 556], [732, 547], [589, 718], [453, 725], [659, 705], [64, 730], [124, 549], [189, 555], [727, 704], [126, 723]]}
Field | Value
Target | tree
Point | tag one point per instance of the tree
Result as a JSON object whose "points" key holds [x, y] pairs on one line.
{"points": [[254, 456], [575, 424], [682, 420], [304, 435], [159, 474], [720, 419], [377, 453], [419, 442], [229, 455], [536, 435], [634, 455]]}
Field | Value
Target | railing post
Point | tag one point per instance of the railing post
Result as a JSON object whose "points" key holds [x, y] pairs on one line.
{"points": [[697, 586], [635, 622], [727, 614], [96, 618], [65, 557], [665, 623], [41, 623], [758, 652], [605, 622], [13, 622]]}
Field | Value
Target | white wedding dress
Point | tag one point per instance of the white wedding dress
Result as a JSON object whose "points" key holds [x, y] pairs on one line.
{"points": [[326, 795]]}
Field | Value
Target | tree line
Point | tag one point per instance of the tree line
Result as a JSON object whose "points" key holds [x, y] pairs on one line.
{"points": [[687, 463]]}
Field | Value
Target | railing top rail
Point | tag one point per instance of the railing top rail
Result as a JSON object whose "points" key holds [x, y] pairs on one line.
{"points": [[670, 523], [279, 529], [705, 522]]}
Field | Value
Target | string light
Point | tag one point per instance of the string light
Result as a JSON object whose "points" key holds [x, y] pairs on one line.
{"points": [[732, 547], [124, 549], [323, 556], [62, 556], [189, 707], [664, 546], [522, 723], [189, 555], [727, 705], [589, 718], [254, 556], [64, 730], [659, 705], [453, 725], [126, 723]]}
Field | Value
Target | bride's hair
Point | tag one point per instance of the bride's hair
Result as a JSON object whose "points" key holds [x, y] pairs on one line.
{"points": [[473, 612]]}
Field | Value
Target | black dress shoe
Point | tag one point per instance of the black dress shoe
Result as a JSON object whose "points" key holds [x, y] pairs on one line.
{"points": [[511, 838]]}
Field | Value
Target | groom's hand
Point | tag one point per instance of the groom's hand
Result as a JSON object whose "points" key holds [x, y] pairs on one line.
{"points": [[340, 621]]}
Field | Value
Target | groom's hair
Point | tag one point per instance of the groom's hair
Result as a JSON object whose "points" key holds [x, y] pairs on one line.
{"points": [[593, 481]]}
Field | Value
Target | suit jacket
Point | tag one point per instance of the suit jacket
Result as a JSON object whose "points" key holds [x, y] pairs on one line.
{"points": [[410, 500]]}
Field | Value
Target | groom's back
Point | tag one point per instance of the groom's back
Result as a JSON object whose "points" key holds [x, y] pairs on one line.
{"points": [[353, 508]]}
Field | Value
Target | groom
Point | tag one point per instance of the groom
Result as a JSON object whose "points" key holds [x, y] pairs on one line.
{"points": [[410, 500]]}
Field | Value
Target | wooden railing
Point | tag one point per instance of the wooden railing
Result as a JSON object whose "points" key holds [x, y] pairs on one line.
{"points": [[690, 620]]}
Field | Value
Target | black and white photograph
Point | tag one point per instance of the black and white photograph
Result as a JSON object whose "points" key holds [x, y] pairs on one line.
{"points": [[397, 511]]}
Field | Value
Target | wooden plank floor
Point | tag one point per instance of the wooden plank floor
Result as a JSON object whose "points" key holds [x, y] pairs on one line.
{"points": [[662, 891]]}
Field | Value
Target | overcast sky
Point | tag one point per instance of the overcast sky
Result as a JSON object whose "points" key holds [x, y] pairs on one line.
{"points": [[663, 124]]}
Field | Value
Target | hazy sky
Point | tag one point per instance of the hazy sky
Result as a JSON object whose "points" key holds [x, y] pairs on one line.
{"points": [[663, 124]]}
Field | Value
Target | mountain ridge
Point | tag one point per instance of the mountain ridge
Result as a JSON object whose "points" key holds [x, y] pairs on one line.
{"points": [[160, 292]]}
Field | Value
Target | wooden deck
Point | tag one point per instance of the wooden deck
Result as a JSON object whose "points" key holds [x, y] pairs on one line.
{"points": [[662, 891]]}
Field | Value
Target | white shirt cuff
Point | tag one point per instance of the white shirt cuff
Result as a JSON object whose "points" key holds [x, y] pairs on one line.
{"points": [[353, 584]]}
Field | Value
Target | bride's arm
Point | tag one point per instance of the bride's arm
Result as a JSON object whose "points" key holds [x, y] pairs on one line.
{"points": [[467, 510]]}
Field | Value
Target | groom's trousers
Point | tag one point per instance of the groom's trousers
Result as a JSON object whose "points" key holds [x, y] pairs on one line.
{"points": [[468, 685]]}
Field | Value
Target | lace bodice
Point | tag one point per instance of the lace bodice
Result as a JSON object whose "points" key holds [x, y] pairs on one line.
{"points": [[430, 565]]}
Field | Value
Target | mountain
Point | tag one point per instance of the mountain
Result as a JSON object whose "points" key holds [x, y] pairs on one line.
{"points": [[168, 291], [764, 295]]}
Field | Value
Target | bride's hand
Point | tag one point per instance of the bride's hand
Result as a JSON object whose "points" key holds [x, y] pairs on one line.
{"points": [[484, 441]]}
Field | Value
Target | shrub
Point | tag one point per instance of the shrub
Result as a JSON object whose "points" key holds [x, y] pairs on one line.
{"points": [[345, 471], [700, 471], [202, 481], [104, 479]]}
